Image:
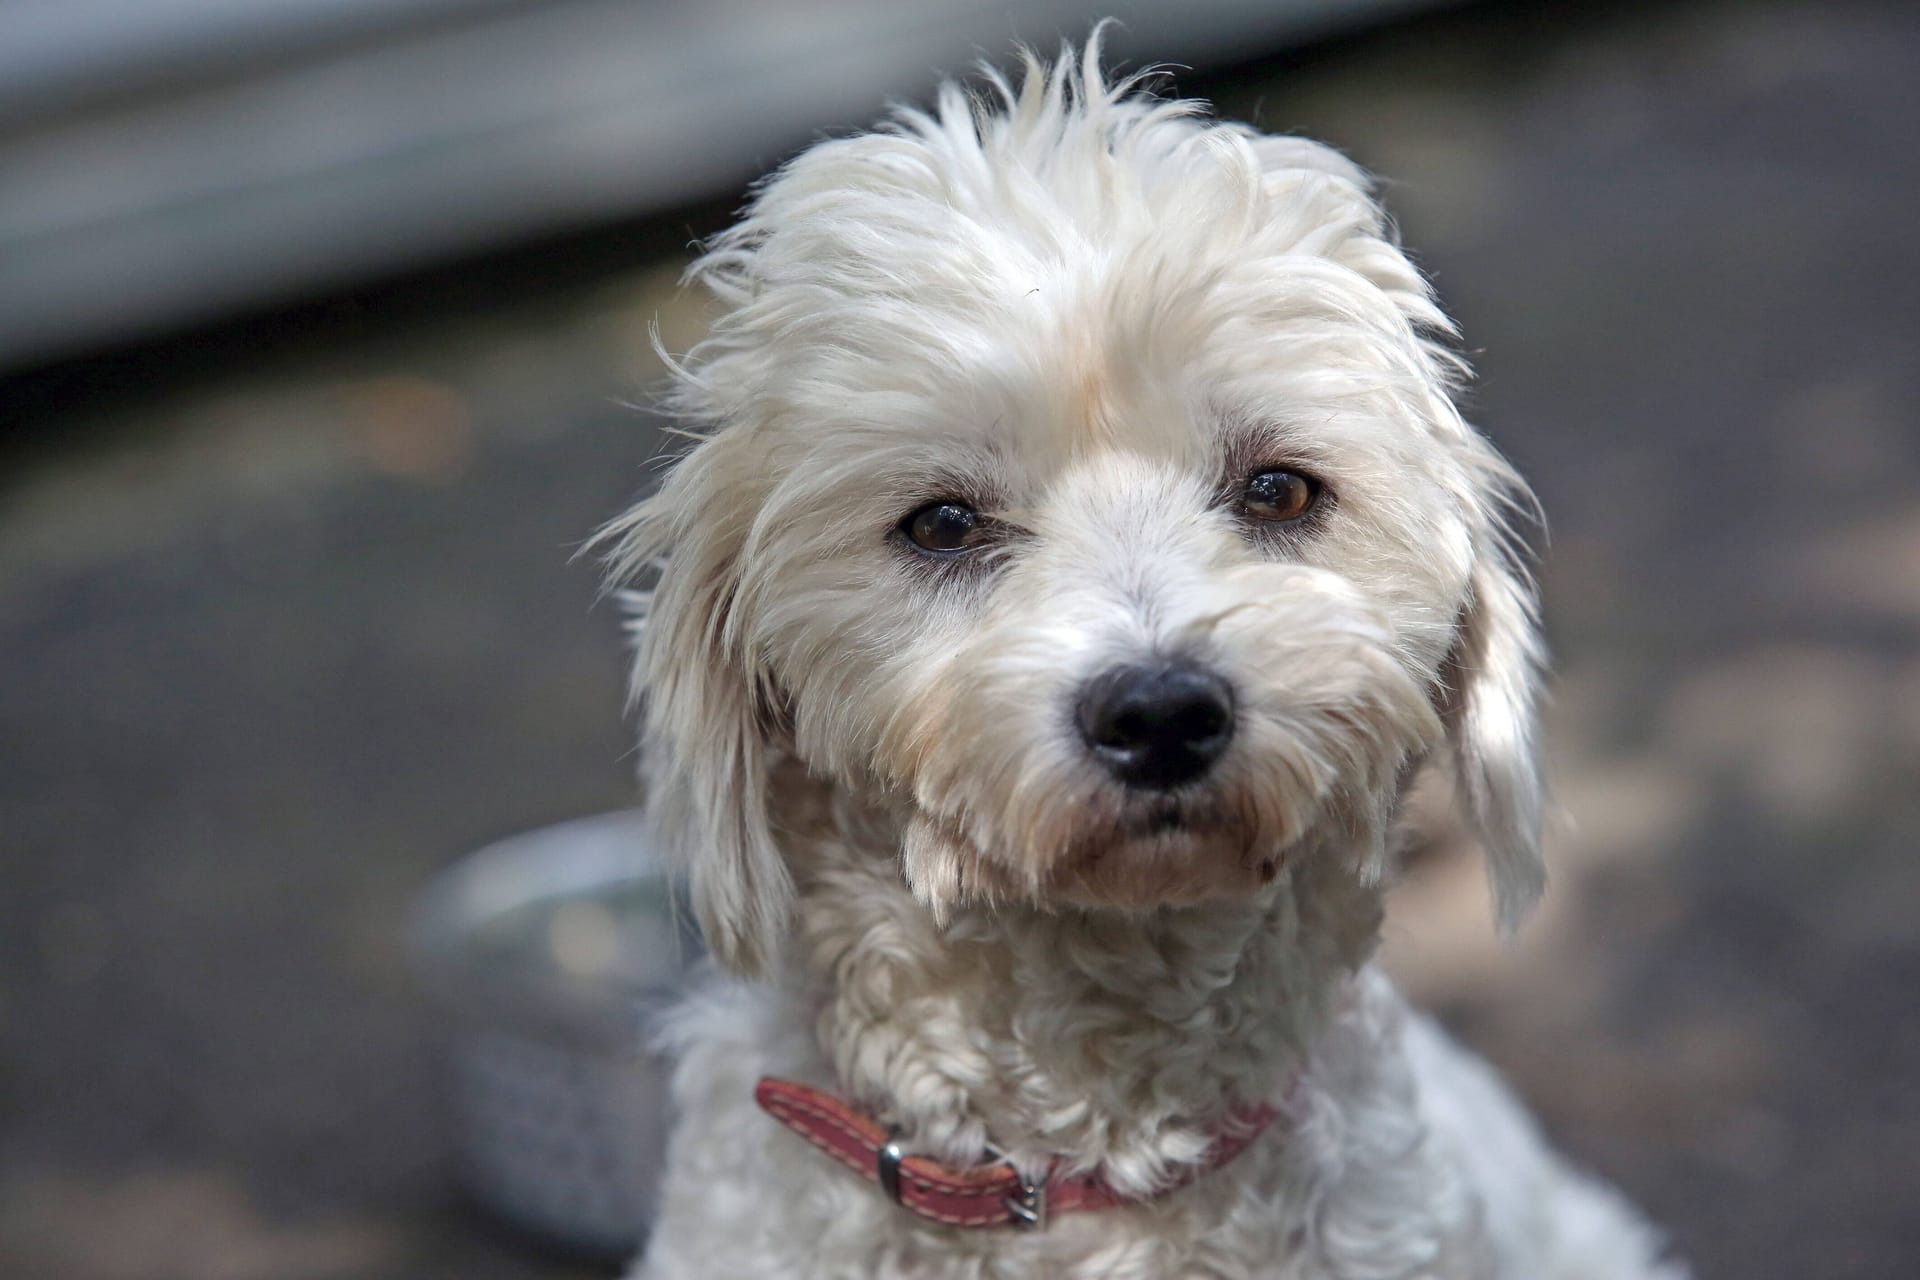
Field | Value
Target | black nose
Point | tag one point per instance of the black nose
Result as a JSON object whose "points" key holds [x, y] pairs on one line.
{"points": [[1155, 727]]}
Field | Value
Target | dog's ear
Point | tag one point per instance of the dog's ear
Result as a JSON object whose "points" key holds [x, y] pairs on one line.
{"points": [[1490, 680], [707, 706], [1489, 696]]}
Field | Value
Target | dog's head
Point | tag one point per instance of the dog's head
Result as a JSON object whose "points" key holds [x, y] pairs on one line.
{"points": [[1081, 479]]}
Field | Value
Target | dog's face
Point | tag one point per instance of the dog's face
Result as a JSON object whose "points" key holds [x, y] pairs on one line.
{"points": [[1082, 483]]}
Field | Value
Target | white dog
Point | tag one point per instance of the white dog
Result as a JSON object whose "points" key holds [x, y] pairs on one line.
{"points": [[1081, 556]]}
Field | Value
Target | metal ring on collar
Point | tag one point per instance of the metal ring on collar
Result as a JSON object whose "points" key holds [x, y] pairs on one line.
{"points": [[886, 1166]]}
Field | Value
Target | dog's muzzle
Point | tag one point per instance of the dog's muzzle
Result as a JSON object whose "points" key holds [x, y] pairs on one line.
{"points": [[1157, 726]]}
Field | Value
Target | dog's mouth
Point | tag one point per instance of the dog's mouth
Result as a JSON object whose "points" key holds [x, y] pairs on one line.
{"points": [[1199, 813], [1169, 851], [1165, 822], [1162, 819], [1135, 852]]}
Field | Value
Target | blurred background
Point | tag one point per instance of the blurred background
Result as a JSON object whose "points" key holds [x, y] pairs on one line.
{"points": [[323, 347]]}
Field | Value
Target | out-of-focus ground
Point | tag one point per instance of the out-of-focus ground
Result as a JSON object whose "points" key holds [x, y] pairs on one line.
{"points": [[289, 621]]}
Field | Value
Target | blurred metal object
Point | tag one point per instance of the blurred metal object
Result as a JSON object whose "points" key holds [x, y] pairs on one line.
{"points": [[548, 952], [174, 161]]}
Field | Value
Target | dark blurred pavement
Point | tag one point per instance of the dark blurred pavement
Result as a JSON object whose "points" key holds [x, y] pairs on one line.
{"points": [[288, 620]]}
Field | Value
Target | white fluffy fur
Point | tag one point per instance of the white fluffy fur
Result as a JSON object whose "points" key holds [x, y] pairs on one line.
{"points": [[1091, 314]]}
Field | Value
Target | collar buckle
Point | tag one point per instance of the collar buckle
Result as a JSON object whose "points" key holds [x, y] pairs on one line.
{"points": [[886, 1165], [1029, 1205]]}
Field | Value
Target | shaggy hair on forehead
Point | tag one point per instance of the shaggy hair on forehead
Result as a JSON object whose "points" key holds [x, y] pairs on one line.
{"points": [[1097, 332], [1109, 205]]}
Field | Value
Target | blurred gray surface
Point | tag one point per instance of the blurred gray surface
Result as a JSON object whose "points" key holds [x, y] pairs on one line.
{"points": [[288, 621], [171, 160]]}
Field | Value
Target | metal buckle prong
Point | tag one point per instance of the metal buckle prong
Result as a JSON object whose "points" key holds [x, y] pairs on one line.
{"points": [[886, 1166], [1029, 1205]]}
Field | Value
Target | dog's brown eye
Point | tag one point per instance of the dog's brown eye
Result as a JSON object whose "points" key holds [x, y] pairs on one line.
{"points": [[944, 526], [1280, 495]]}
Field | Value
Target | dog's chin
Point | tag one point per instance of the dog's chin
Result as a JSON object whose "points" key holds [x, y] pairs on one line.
{"points": [[1163, 855], [1163, 859]]}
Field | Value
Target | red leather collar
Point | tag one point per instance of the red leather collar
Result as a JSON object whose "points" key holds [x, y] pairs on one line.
{"points": [[989, 1195]]}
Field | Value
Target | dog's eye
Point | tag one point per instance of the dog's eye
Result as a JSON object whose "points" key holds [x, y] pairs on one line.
{"points": [[1279, 495], [945, 526]]}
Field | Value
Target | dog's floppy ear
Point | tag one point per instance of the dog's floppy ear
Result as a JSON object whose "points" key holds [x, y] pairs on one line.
{"points": [[705, 706], [1490, 690], [1490, 680]]}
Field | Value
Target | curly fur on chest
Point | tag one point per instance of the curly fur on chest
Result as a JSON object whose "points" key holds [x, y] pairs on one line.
{"points": [[1101, 1043]]}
